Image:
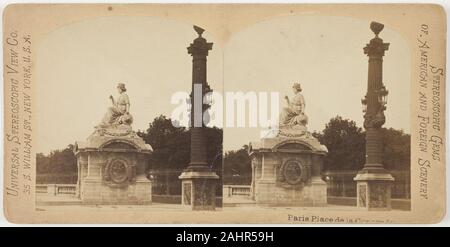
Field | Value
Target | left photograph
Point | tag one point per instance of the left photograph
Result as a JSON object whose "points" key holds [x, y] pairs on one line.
{"points": [[118, 133]]}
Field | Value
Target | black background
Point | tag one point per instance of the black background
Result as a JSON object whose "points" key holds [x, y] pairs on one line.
{"points": [[166, 236]]}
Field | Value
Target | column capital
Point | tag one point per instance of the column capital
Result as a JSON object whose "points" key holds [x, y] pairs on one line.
{"points": [[376, 47], [200, 46]]}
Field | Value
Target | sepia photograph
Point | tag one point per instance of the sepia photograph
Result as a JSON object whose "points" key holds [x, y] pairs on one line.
{"points": [[224, 113], [104, 151], [339, 141]]}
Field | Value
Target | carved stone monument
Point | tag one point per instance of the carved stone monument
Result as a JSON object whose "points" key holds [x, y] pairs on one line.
{"points": [[373, 181], [112, 161], [198, 180], [286, 169]]}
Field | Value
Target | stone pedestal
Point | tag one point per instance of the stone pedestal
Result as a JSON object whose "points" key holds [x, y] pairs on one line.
{"points": [[374, 190], [112, 167], [287, 171], [199, 189]]}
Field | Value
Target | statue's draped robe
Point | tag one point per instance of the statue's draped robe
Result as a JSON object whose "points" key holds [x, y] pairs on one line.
{"points": [[294, 113], [117, 113]]}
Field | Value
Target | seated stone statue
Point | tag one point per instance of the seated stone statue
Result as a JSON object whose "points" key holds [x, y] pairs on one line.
{"points": [[294, 113], [118, 114]]}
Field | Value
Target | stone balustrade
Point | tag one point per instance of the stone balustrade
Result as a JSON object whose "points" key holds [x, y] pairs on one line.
{"points": [[56, 189], [237, 191]]}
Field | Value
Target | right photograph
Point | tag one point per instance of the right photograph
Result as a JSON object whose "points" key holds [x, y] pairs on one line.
{"points": [[317, 116]]}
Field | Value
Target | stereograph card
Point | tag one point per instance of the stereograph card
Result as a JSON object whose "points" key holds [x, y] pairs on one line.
{"points": [[224, 113]]}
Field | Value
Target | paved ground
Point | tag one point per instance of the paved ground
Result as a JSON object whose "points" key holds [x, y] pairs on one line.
{"points": [[176, 207], [254, 207], [152, 207], [44, 202], [47, 203], [50, 203], [46, 198]]}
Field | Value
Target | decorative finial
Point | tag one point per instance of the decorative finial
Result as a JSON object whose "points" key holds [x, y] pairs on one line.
{"points": [[199, 30], [376, 27]]}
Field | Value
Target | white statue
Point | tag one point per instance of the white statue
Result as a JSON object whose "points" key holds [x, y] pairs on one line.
{"points": [[294, 113], [119, 112]]}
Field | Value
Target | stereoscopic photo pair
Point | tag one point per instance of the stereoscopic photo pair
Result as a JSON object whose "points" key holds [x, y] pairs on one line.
{"points": [[224, 113]]}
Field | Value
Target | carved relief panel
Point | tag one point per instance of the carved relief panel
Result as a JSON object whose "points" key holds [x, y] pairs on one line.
{"points": [[119, 172]]}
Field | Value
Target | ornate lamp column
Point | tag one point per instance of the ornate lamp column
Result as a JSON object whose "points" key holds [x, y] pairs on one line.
{"points": [[198, 180], [373, 181]]}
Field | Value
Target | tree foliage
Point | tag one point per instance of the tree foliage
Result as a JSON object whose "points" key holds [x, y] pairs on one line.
{"points": [[397, 149], [171, 152], [345, 142], [237, 167], [171, 145], [346, 146], [60, 166]]}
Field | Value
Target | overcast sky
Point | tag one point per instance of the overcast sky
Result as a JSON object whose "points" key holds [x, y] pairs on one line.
{"points": [[79, 65]]}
